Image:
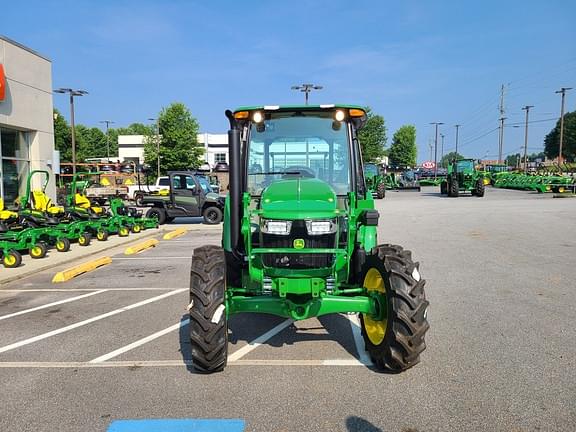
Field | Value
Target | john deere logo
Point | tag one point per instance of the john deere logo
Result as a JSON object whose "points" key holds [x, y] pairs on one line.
{"points": [[299, 244]]}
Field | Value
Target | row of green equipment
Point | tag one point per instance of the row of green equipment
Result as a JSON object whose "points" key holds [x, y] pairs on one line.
{"points": [[39, 223], [538, 183]]}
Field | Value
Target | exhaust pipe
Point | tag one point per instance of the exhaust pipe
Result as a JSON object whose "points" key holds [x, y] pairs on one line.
{"points": [[235, 181]]}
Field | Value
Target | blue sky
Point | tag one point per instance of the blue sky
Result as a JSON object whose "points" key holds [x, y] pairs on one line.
{"points": [[413, 62]]}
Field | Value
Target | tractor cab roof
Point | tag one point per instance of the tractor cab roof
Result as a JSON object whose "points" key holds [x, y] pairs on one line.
{"points": [[298, 107]]}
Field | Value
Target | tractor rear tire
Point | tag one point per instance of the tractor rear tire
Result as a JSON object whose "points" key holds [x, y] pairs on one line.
{"points": [[396, 341], [157, 213], [208, 322], [443, 188], [381, 191], [453, 190], [480, 188]]}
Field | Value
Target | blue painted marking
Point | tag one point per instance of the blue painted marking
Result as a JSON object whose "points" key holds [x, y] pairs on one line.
{"points": [[177, 425]]}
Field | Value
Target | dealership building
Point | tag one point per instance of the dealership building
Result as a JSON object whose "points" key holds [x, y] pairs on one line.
{"points": [[26, 119]]}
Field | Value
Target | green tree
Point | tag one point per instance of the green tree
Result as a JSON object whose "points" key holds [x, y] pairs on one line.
{"points": [[449, 157], [90, 143], [513, 160], [62, 137], [372, 137], [552, 140], [179, 147], [403, 151]]}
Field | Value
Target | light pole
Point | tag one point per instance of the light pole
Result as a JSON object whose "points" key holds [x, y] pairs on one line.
{"points": [[157, 139], [306, 89], [108, 123], [72, 93], [457, 127], [430, 145], [527, 109], [442, 147], [562, 91], [436, 148]]}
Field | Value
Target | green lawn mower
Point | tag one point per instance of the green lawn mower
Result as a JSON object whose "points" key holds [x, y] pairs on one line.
{"points": [[375, 181], [463, 177], [299, 239]]}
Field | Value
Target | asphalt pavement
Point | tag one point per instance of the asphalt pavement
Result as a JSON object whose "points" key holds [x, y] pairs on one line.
{"points": [[113, 343]]}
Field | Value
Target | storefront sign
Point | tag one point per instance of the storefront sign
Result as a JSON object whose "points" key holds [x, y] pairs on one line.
{"points": [[2, 83]]}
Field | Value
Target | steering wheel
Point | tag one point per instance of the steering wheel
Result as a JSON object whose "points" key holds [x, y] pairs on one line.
{"points": [[298, 170]]}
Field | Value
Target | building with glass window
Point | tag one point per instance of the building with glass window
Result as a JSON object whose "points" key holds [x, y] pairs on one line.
{"points": [[26, 119]]}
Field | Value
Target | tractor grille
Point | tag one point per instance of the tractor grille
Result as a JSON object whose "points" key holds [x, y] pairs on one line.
{"points": [[296, 260]]}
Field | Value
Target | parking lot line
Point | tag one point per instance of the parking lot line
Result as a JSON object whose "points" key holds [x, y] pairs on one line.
{"points": [[252, 345], [176, 363], [68, 300], [152, 258], [88, 321], [139, 342], [363, 357], [86, 289]]}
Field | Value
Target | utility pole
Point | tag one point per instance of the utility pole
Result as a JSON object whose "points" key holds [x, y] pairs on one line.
{"points": [[562, 91], [442, 147], [108, 123], [436, 148], [306, 89], [430, 145], [457, 127], [72, 93], [501, 132], [527, 109]]}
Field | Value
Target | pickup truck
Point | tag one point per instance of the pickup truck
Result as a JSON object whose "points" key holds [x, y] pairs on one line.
{"points": [[137, 192]]}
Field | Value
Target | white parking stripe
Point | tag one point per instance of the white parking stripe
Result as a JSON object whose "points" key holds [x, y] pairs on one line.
{"points": [[139, 342], [151, 258], [68, 300], [177, 363], [88, 321], [363, 357], [237, 355]]}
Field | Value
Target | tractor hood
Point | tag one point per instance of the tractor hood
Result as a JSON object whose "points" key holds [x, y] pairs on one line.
{"points": [[300, 198]]}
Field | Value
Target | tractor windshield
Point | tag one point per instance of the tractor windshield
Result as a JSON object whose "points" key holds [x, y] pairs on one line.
{"points": [[465, 166], [299, 144]]}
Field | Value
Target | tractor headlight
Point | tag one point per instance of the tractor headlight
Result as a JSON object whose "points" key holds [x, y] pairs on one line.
{"points": [[278, 227], [319, 227]]}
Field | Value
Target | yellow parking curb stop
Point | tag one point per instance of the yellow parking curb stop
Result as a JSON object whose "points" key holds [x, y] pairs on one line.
{"points": [[72, 272], [141, 246], [175, 233]]}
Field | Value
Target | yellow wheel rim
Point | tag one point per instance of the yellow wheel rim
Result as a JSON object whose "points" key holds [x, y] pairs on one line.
{"points": [[486, 182], [9, 260], [59, 245], [123, 231], [561, 189], [82, 240], [100, 235], [375, 330], [136, 228], [36, 251]]}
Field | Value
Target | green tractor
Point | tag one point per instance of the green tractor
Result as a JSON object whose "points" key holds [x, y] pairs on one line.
{"points": [[463, 177], [299, 239], [375, 181]]}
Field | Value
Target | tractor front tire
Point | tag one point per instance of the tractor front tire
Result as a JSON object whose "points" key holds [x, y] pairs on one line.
{"points": [[453, 190], [480, 188], [12, 259], [158, 214], [63, 244], [208, 323], [381, 191], [396, 340]]}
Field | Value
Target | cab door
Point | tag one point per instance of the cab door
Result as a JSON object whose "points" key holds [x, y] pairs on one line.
{"points": [[186, 194]]}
